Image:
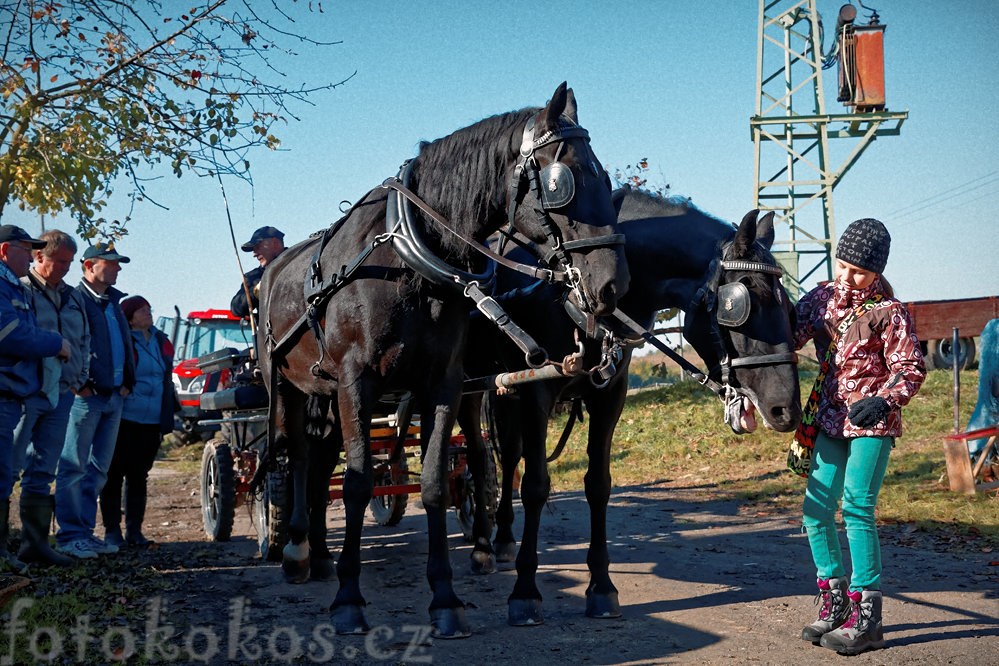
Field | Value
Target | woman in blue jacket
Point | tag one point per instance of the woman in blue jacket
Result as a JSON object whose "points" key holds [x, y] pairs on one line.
{"points": [[147, 415]]}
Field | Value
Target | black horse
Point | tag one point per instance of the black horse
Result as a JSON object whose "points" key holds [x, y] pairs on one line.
{"points": [[737, 319], [378, 304]]}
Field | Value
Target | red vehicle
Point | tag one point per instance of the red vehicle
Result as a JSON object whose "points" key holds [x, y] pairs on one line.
{"points": [[200, 333]]}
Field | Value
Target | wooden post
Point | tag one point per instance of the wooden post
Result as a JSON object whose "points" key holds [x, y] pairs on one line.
{"points": [[959, 466], [956, 364]]}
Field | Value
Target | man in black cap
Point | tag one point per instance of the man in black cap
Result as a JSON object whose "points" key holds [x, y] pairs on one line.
{"points": [[266, 243], [22, 346], [96, 411]]}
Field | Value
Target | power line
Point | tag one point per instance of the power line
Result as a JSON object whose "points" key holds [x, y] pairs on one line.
{"points": [[983, 195], [899, 212]]}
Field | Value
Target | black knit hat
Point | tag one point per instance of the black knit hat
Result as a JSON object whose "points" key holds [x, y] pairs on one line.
{"points": [[865, 244]]}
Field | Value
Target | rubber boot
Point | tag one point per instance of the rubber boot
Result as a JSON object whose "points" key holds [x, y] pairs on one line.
{"points": [[36, 519], [835, 609], [862, 630], [8, 561], [135, 513]]}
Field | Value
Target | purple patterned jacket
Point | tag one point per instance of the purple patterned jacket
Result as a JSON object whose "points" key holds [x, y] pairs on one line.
{"points": [[878, 355]]}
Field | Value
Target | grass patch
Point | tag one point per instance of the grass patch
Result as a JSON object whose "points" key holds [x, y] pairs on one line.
{"points": [[675, 434]]}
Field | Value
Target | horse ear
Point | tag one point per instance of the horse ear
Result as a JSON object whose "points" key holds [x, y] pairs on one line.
{"points": [[745, 235], [765, 230], [550, 114], [570, 107]]}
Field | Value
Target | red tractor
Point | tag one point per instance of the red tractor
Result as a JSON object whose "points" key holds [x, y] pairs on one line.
{"points": [[201, 333]]}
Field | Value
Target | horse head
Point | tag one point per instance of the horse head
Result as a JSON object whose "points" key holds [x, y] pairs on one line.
{"points": [[740, 325], [560, 198]]}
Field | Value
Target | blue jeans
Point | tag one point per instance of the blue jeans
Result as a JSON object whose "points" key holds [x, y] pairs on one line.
{"points": [[83, 465], [852, 469], [10, 414], [38, 441]]}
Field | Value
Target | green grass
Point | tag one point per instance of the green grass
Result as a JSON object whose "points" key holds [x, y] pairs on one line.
{"points": [[676, 435]]}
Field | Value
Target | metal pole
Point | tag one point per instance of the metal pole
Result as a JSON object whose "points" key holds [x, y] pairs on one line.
{"points": [[956, 364]]}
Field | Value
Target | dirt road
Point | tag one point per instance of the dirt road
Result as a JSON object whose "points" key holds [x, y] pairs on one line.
{"points": [[701, 581]]}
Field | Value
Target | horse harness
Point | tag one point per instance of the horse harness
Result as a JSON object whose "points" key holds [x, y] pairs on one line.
{"points": [[553, 187]]}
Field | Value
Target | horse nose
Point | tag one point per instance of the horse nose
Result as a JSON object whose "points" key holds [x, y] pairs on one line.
{"points": [[606, 300], [785, 417]]}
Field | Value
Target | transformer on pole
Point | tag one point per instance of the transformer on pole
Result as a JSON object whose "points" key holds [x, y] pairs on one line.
{"points": [[791, 128]]}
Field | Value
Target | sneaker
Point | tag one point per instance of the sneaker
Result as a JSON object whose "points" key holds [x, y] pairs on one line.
{"points": [[101, 547], [80, 549]]}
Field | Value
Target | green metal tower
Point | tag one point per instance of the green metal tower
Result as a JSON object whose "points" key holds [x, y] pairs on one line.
{"points": [[792, 130]]}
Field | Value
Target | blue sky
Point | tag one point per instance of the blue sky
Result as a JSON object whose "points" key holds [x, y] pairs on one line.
{"points": [[672, 81]]}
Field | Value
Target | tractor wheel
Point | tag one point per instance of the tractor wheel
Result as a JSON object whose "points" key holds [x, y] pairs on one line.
{"points": [[218, 490], [388, 510], [271, 513], [941, 353], [465, 501]]}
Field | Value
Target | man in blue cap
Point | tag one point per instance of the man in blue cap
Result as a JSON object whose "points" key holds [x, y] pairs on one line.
{"points": [[266, 243], [96, 411], [23, 344]]}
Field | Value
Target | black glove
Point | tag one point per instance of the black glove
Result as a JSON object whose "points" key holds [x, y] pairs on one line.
{"points": [[868, 411]]}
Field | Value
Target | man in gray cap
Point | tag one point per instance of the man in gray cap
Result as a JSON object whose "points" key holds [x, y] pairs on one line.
{"points": [[96, 411], [266, 243], [22, 346]]}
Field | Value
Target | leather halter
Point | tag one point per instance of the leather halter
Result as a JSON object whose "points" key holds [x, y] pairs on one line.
{"points": [[707, 296], [553, 188]]}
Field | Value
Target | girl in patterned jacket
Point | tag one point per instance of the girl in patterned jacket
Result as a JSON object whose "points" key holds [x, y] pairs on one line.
{"points": [[876, 370]]}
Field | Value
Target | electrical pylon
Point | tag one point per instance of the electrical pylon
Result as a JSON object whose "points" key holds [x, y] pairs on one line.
{"points": [[791, 134]]}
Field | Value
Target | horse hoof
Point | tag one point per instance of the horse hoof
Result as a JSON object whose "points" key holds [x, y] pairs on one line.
{"points": [[295, 563], [505, 552], [483, 563], [449, 623], [603, 606], [322, 568], [349, 620], [525, 613], [295, 573]]}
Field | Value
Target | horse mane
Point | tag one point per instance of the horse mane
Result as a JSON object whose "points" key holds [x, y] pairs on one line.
{"points": [[655, 205], [465, 175]]}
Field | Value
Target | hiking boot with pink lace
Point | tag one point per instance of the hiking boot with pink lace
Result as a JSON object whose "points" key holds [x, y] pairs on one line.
{"points": [[834, 611], [862, 630]]}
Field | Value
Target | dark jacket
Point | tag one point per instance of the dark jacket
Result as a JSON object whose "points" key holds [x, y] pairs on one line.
{"points": [[22, 342], [101, 375], [239, 306]]}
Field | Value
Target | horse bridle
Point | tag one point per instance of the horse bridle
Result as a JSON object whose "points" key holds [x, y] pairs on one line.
{"points": [[728, 305], [554, 187]]}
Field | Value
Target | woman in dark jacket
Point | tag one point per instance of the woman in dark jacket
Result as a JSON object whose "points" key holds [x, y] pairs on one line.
{"points": [[147, 416]]}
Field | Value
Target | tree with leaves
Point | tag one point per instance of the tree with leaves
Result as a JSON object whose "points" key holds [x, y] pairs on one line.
{"points": [[94, 91]]}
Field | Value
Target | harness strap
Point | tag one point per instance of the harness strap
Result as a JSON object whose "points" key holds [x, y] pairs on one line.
{"points": [[694, 372], [533, 353], [575, 412], [536, 272]]}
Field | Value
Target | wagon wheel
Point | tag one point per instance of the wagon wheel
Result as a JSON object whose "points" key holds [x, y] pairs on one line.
{"points": [[388, 510], [465, 502], [271, 513], [218, 490], [941, 353]]}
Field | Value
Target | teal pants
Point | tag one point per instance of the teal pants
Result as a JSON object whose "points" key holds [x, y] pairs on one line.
{"points": [[852, 469]]}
